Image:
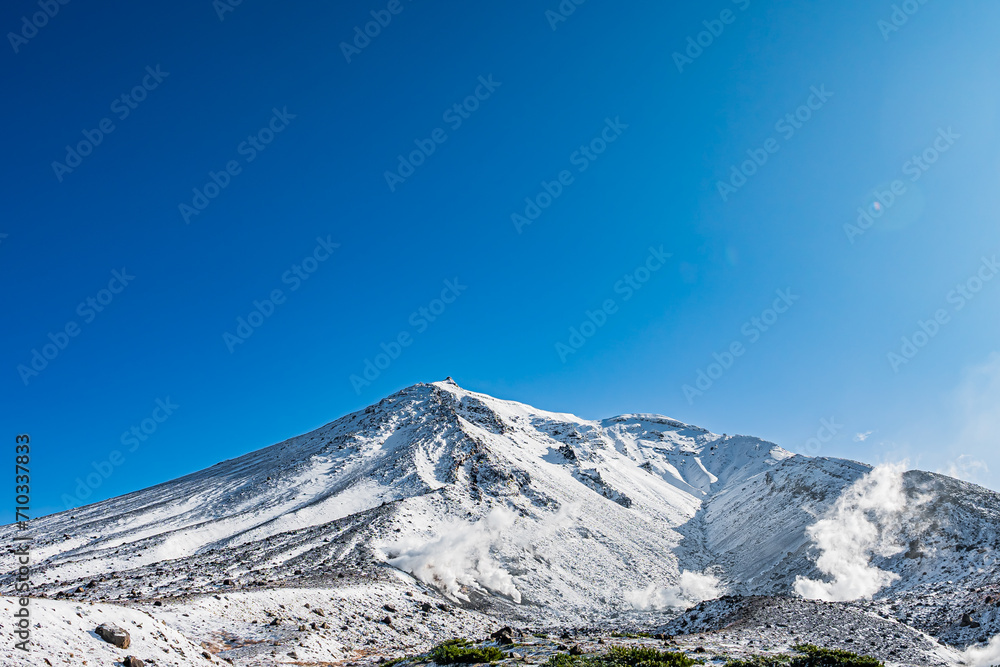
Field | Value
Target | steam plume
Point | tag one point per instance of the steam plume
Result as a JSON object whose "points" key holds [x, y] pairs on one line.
{"points": [[689, 591], [459, 556], [864, 522]]}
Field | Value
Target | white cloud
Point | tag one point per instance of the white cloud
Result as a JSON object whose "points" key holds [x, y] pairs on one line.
{"points": [[962, 438], [966, 467], [977, 410], [861, 437]]}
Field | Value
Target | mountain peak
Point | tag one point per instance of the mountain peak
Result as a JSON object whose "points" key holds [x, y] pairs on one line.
{"points": [[507, 507]]}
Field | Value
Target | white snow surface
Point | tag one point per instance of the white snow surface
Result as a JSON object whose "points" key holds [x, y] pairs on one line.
{"points": [[64, 634]]}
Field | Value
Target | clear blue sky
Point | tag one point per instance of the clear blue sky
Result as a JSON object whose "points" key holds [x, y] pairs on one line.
{"points": [[631, 142]]}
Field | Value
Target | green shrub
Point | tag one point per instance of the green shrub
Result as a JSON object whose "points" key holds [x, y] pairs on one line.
{"points": [[566, 660], [458, 651], [813, 656], [622, 656], [761, 661], [826, 657], [394, 662]]}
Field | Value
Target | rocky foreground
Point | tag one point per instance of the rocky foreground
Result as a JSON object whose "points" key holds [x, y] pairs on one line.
{"points": [[370, 624]]}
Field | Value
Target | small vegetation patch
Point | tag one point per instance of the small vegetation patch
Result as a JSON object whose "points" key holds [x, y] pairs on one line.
{"points": [[631, 635], [458, 651], [395, 661], [811, 656], [622, 656], [761, 661]]}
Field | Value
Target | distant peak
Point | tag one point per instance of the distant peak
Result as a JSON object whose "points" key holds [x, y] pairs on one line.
{"points": [[450, 380]]}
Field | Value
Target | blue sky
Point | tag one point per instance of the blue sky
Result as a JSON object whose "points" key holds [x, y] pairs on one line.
{"points": [[677, 175]]}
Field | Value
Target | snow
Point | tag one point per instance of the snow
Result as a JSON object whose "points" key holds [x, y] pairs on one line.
{"points": [[458, 497], [63, 633]]}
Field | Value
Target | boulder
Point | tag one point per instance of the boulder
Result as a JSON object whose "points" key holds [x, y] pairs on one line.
{"points": [[132, 661], [113, 634], [504, 636]]}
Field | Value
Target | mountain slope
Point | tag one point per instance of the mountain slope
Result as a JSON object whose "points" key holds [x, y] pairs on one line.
{"points": [[598, 505], [525, 513]]}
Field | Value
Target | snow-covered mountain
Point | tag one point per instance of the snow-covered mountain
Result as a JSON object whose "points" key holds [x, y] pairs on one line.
{"points": [[529, 514]]}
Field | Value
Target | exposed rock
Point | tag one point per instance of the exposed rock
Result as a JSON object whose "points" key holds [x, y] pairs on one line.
{"points": [[967, 622], [504, 636], [113, 634]]}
